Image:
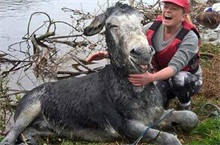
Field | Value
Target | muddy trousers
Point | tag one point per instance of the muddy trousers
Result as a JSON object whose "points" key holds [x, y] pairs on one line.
{"points": [[183, 86]]}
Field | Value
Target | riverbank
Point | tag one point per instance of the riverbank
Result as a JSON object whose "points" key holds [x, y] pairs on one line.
{"points": [[211, 36], [209, 93]]}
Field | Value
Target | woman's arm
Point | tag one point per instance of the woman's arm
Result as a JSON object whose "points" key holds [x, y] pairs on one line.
{"points": [[146, 78]]}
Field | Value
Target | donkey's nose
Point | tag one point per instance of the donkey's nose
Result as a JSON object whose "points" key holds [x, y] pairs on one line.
{"points": [[142, 50], [136, 51]]}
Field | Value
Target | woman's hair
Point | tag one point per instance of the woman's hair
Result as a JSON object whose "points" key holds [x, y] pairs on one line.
{"points": [[188, 19]]}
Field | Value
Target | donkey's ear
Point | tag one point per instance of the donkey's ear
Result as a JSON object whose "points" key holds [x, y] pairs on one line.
{"points": [[96, 25]]}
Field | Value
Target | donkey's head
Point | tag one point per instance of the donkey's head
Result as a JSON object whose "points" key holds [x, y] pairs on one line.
{"points": [[127, 44]]}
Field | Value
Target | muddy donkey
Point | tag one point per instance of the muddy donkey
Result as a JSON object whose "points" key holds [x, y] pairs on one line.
{"points": [[103, 106]]}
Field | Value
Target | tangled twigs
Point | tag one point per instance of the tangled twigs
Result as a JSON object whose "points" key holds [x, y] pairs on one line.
{"points": [[7, 60], [206, 54], [14, 68], [44, 55], [211, 77], [15, 92], [2, 54], [215, 107], [83, 16]]}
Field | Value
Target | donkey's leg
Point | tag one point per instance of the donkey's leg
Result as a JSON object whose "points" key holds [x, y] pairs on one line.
{"points": [[30, 135], [135, 129], [185, 119], [27, 115]]}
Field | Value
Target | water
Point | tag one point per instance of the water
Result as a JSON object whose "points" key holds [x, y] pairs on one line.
{"points": [[14, 17]]}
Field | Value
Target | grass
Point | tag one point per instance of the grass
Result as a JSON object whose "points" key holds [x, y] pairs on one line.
{"points": [[206, 133]]}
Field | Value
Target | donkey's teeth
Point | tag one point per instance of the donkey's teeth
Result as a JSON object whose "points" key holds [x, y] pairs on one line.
{"points": [[144, 67]]}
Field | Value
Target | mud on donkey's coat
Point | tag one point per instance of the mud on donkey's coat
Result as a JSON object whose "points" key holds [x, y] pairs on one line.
{"points": [[102, 106]]}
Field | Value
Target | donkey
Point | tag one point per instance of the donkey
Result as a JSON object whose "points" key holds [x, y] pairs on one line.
{"points": [[102, 106]]}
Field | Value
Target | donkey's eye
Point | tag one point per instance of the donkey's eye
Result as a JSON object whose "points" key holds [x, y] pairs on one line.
{"points": [[143, 22], [113, 26]]}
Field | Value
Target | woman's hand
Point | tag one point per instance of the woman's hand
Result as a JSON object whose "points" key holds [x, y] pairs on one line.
{"points": [[141, 79], [97, 56]]}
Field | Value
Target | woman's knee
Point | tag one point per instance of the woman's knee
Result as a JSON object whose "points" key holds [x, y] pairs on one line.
{"points": [[183, 80]]}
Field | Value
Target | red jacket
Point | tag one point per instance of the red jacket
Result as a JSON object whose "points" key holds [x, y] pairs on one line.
{"points": [[162, 58]]}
